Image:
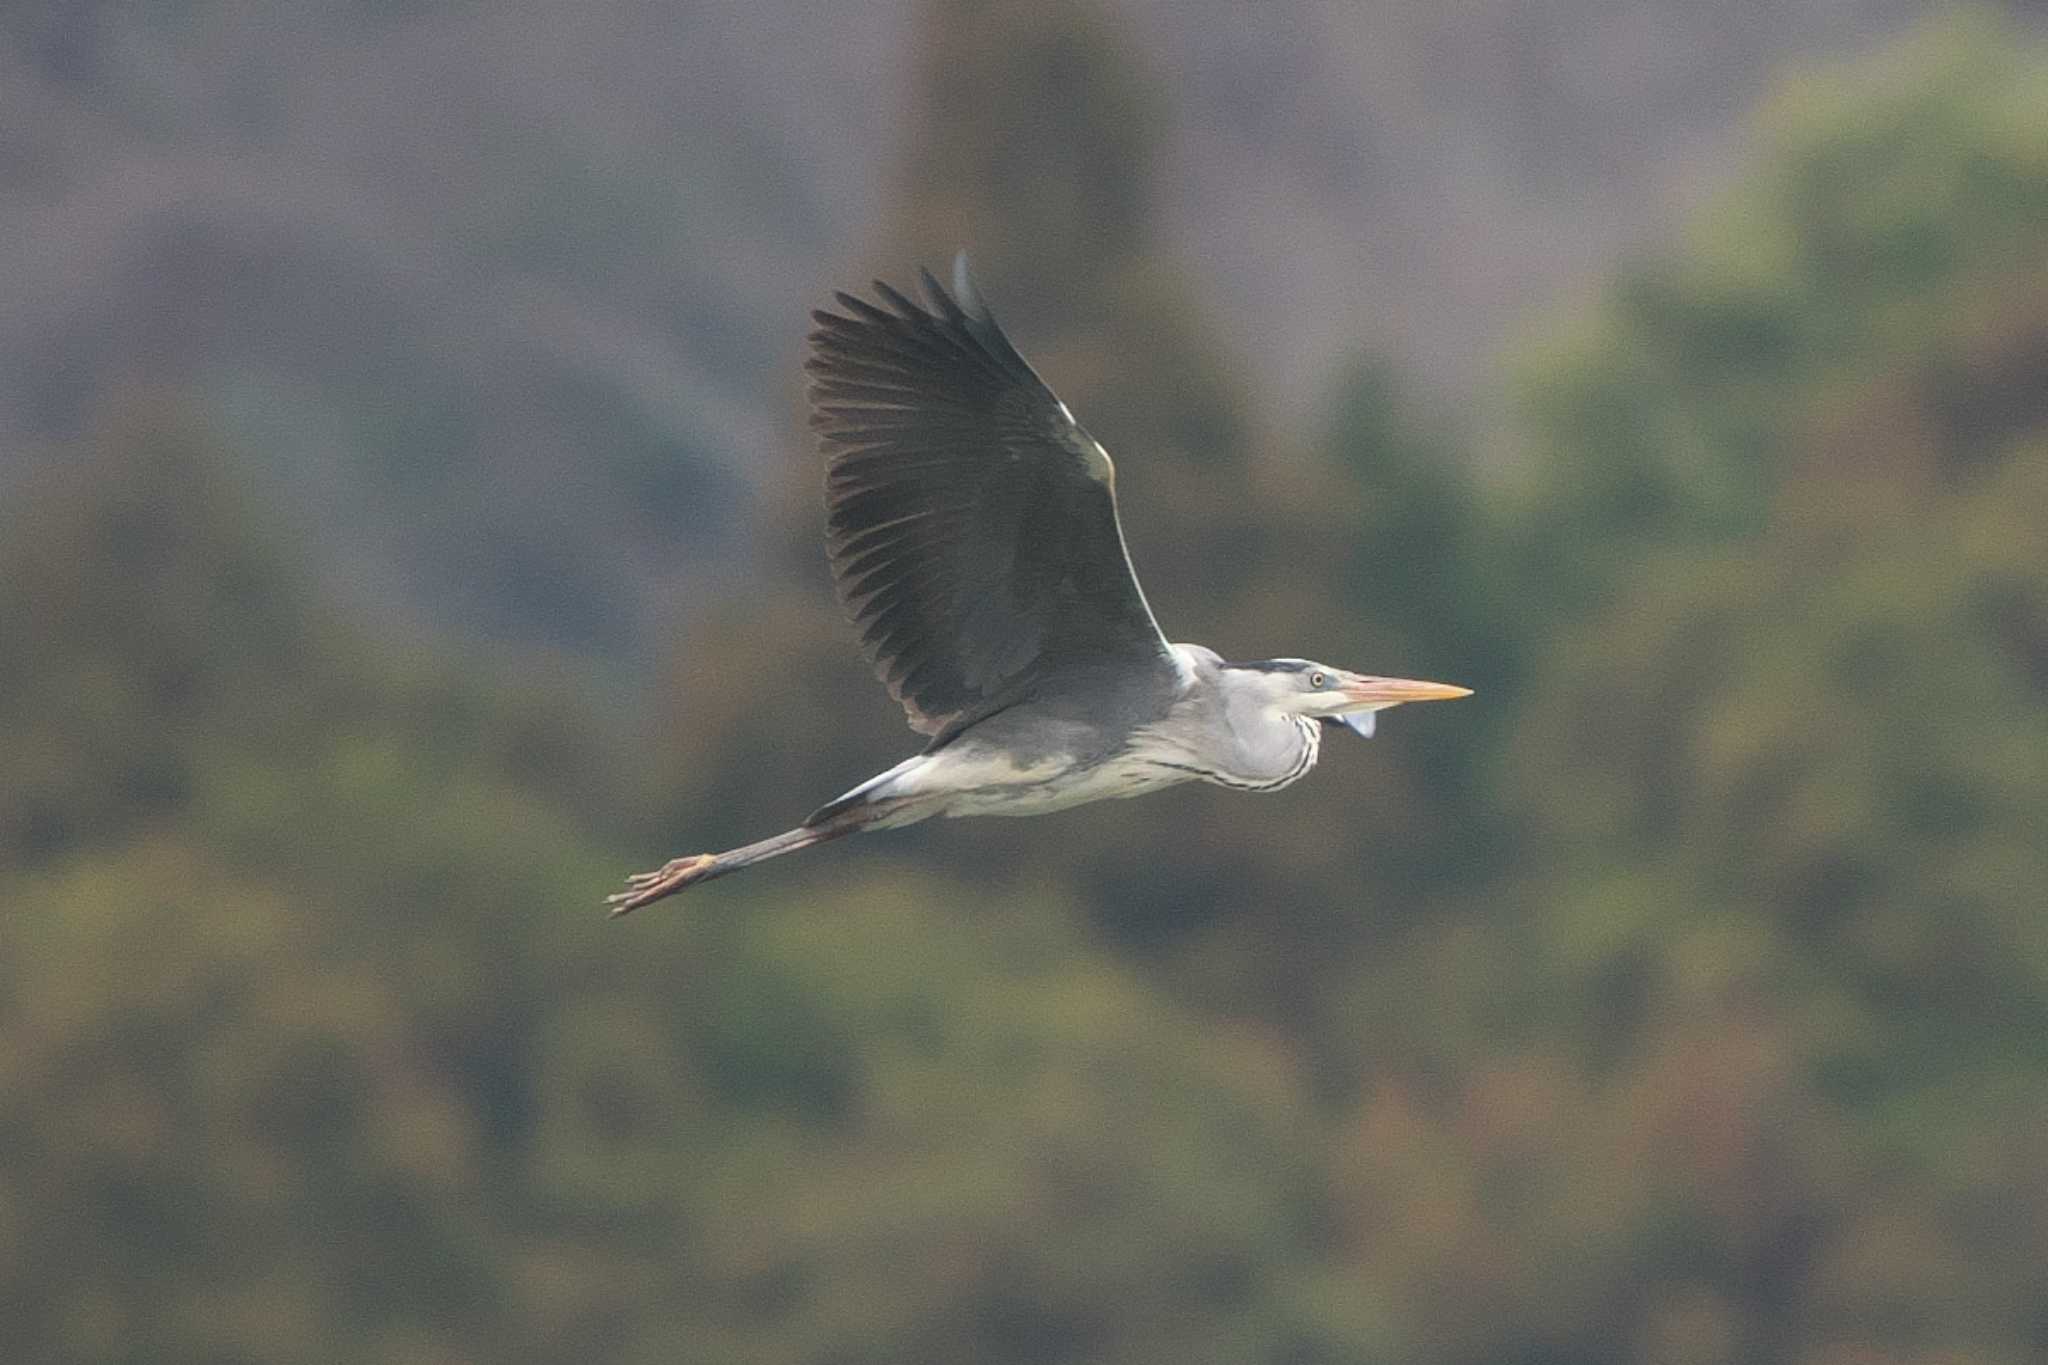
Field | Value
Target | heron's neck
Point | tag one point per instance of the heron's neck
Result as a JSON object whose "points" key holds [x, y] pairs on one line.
{"points": [[1268, 747]]}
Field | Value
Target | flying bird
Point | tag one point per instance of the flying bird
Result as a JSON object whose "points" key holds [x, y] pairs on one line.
{"points": [[973, 534]]}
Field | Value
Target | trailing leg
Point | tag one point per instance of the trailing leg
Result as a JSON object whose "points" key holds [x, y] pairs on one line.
{"points": [[677, 874]]}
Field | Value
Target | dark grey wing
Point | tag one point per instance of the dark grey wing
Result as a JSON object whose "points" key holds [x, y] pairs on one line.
{"points": [[973, 529]]}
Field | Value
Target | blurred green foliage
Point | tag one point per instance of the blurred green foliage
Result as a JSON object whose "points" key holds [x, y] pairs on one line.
{"points": [[1886, 196], [1682, 999]]}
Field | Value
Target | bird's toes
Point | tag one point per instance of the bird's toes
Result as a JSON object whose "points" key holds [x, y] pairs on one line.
{"points": [[625, 902], [643, 888]]}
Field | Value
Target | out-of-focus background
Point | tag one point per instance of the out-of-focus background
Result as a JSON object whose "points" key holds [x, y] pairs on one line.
{"points": [[407, 528]]}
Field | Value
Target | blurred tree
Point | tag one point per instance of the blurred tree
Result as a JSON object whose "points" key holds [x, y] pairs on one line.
{"points": [[308, 1054], [172, 630], [252, 1075], [147, 604], [1886, 188], [1768, 1080]]}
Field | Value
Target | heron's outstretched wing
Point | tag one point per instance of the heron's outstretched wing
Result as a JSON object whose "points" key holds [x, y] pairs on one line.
{"points": [[973, 529]]}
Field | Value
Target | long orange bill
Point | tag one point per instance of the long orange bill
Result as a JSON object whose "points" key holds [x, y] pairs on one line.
{"points": [[1393, 691]]}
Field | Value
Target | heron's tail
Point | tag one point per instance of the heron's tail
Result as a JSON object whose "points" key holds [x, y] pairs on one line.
{"points": [[885, 798]]}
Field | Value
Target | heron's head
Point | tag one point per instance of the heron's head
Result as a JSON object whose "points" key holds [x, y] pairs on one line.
{"points": [[1303, 687]]}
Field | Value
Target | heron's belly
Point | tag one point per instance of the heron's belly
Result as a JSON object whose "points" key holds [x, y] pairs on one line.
{"points": [[1072, 786], [964, 780]]}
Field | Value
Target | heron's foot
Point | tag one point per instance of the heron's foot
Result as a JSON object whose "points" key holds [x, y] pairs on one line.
{"points": [[644, 888]]}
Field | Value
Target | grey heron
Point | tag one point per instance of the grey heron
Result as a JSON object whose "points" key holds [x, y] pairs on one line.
{"points": [[974, 541]]}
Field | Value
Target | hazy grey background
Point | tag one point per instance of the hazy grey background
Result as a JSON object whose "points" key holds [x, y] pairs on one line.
{"points": [[421, 261]]}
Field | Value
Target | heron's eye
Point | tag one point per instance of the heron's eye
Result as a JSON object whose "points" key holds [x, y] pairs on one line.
{"points": [[1316, 681]]}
